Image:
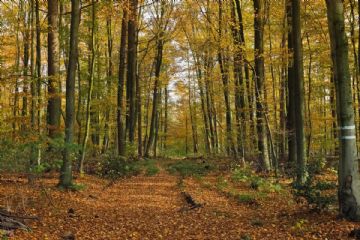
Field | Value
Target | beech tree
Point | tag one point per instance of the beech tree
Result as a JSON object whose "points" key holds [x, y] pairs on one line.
{"points": [[54, 102], [348, 190], [66, 168]]}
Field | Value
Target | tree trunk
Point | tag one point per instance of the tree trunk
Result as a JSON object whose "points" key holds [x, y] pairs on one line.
{"points": [[38, 72], [120, 87], [66, 168], [108, 82], [239, 79], [291, 100], [299, 93], [131, 72], [90, 89], [156, 97], [26, 42], [54, 102], [259, 82], [348, 191]]}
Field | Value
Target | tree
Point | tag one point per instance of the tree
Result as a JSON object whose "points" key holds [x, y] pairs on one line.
{"points": [[298, 93], [348, 175], [259, 82], [66, 168], [290, 118], [120, 85], [131, 71], [90, 89], [54, 102]]}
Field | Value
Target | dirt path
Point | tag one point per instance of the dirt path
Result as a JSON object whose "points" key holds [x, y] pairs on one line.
{"points": [[148, 208]]}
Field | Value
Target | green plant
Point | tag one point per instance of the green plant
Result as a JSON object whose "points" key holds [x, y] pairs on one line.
{"points": [[241, 174], [189, 168], [221, 183], [74, 187], [256, 182], [316, 166], [117, 167], [151, 170], [245, 237], [313, 192], [77, 187], [245, 198]]}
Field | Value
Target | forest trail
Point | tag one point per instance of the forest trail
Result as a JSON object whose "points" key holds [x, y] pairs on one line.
{"points": [[145, 207]]}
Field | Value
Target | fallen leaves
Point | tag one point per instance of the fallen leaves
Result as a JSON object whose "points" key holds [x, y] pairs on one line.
{"points": [[148, 208]]}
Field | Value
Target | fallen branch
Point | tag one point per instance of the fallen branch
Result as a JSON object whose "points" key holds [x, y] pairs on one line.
{"points": [[12, 221], [192, 204], [7, 223], [5, 213]]}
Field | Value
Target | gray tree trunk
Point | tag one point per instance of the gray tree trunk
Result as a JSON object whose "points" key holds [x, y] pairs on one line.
{"points": [[349, 188]]}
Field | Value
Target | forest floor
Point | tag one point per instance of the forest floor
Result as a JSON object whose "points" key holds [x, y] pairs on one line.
{"points": [[153, 207]]}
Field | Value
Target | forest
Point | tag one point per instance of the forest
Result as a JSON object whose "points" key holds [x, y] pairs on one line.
{"points": [[179, 119]]}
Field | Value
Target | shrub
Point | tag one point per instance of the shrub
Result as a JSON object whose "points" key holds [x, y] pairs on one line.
{"points": [[313, 193], [255, 182], [150, 168], [117, 167], [245, 198], [221, 183], [241, 174], [14, 157], [189, 168]]}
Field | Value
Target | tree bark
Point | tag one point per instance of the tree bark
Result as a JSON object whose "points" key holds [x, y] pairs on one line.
{"points": [[120, 88], [299, 93], [259, 83], [349, 188], [131, 72], [66, 168], [291, 100], [54, 102]]}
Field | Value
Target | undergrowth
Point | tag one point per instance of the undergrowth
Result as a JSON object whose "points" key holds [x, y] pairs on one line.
{"points": [[187, 168]]}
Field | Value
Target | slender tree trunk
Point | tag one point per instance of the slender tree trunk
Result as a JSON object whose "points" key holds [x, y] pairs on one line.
{"points": [[26, 42], [108, 82], [192, 113], [166, 117], [38, 73], [291, 100], [66, 169], [239, 79], [54, 102], [90, 89], [35, 148], [259, 84], [131, 72], [16, 94], [309, 135], [283, 83], [120, 87], [156, 97], [299, 93], [230, 147]]}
